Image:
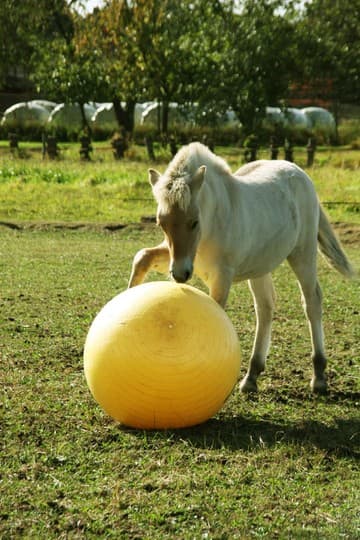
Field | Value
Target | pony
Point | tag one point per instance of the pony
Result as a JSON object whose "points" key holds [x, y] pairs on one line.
{"points": [[227, 227]]}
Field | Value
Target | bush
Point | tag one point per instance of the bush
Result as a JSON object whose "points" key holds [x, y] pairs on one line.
{"points": [[24, 131], [349, 131], [221, 136]]}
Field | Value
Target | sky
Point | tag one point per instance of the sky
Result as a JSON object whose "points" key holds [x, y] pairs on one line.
{"points": [[90, 4]]}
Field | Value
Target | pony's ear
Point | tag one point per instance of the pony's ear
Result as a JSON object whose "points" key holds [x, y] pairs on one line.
{"points": [[153, 176], [197, 179]]}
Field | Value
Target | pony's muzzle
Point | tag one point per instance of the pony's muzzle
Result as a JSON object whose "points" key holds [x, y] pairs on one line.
{"points": [[181, 278], [181, 273]]}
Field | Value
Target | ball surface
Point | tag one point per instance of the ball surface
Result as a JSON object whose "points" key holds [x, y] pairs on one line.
{"points": [[161, 355]]}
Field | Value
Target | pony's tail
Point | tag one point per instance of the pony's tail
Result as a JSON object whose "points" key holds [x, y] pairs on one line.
{"points": [[331, 248]]}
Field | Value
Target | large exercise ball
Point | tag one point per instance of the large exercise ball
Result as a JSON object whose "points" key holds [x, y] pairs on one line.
{"points": [[161, 355]]}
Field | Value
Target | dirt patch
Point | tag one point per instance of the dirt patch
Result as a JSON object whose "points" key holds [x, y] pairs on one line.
{"points": [[61, 226], [349, 233]]}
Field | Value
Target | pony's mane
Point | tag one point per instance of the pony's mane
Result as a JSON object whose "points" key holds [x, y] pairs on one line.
{"points": [[173, 187]]}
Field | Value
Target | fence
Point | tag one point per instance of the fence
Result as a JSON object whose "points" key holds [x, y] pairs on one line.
{"points": [[250, 150]]}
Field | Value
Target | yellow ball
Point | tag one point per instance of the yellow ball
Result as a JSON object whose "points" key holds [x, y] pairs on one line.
{"points": [[161, 355]]}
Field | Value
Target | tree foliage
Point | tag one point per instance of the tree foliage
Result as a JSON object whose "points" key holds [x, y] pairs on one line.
{"points": [[253, 62], [26, 28], [333, 45], [242, 54]]}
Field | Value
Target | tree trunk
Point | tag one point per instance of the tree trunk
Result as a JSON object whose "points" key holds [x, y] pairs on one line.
{"points": [[84, 121], [165, 117], [124, 115], [336, 116]]}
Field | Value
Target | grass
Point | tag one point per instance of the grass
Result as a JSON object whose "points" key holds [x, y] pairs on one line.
{"points": [[280, 465], [283, 464], [69, 190], [106, 190]]}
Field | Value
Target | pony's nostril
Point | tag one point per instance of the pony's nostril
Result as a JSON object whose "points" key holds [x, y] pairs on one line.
{"points": [[181, 273], [181, 278]]}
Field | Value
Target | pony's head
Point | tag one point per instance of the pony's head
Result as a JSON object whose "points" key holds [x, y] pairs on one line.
{"points": [[176, 193]]}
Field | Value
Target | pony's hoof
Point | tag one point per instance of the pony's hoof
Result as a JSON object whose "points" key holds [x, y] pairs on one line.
{"points": [[248, 386], [319, 386]]}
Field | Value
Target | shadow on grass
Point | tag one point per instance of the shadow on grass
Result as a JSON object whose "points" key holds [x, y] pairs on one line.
{"points": [[236, 432]]}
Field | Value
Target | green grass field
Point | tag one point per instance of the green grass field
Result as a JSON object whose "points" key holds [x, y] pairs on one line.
{"points": [[282, 464], [107, 190]]}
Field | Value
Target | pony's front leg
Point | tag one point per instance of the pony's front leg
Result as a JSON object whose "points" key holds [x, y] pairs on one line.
{"points": [[156, 258], [219, 286], [264, 299]]}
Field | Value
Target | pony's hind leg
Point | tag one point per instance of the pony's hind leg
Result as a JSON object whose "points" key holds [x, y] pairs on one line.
{"points": [[156, 258], [264, 300], [305, 271]]}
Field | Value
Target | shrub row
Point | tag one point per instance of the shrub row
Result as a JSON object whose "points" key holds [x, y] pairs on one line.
{"points": [[222, 136], [219, 136]]}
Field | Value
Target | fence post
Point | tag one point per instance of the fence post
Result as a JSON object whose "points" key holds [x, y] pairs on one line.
{"points": [[208, 142], [251, 148], [13, 142], [274, 149], [150, 147], [119, 146], [289, 151], [173, 145], [51, 147], [43, 145], [310, 148], [85, 148]]}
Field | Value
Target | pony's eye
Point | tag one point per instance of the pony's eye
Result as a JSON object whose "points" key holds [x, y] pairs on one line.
{"points": [[194, 224]]}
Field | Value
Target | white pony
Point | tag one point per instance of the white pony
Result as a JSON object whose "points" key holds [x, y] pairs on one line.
{"points": [[230, 227]]}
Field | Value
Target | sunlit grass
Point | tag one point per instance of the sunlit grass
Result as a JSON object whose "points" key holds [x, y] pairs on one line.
{"points": [[282, 464], [108, 190]]}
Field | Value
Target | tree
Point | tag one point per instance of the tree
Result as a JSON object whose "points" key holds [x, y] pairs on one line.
{"points": [[62, 71], [162, 43], [107, 37], [331, 51], [216, 53], [147, 52], [252, 64], [31, 25]]}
